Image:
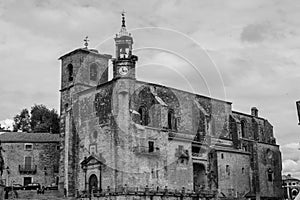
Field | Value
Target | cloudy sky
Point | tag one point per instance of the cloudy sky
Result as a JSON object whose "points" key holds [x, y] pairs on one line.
{"points": [[246, 52]]}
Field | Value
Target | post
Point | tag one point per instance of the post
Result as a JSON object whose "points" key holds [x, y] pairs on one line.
{"points": [[84, 167], [100, 178]]}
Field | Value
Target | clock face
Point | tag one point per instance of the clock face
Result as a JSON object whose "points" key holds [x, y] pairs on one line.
{"points": [[123, 70]]}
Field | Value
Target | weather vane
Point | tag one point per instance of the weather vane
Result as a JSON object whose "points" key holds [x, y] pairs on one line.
{"points": [[86, 40]]}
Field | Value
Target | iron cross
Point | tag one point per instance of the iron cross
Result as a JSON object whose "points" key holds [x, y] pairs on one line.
{"points": [[86, 40]]}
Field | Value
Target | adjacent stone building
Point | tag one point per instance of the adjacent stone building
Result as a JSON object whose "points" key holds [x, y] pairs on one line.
{"points": [[291, 186], [133, 134], [30, 158]]}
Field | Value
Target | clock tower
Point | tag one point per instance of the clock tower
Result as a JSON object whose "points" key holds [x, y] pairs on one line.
{"points": [[124, 63]]}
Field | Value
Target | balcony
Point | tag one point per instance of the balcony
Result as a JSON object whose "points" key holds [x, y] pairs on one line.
{"points": [[146, 151], [27, 169]]}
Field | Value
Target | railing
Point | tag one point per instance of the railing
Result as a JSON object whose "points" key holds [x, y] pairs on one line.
{"points": [[147, 191], [141, 150], [27, 169]]}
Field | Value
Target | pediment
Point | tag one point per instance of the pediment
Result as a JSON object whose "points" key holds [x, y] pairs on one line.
{"points": [[93, 160]]}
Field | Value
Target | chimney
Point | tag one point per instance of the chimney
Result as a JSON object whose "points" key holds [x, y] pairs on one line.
{"points": [[254, 112]]}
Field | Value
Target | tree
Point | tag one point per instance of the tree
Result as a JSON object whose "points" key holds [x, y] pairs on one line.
{"points": [[41, 119], [44, 120], [22, 121]]}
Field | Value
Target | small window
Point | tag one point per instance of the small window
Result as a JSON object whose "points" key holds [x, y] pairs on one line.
{"points": [[243, 170], [58, 147], [28, 147], [172, 123], [144, 118], [93, 72], [93, 149], [222, 156], [270, 175], [151, 146], [243, 128], [70, 72], [228, 170]]}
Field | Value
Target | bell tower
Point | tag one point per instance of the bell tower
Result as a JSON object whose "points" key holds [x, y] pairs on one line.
{"points": [[124, 63]]}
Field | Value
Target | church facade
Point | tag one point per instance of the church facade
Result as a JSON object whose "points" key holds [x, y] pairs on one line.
{"points": [[126, 133]]}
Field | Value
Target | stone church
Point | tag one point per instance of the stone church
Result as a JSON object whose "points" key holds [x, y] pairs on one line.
{"points": [[126, 133]]}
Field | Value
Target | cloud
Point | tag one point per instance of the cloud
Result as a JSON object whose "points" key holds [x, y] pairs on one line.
{"points": [[7, 124], [259, 32], [255, 32], [291, 159]]}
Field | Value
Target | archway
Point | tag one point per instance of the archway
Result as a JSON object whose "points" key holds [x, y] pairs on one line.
{"points": [[93, 183], [199, 176]]}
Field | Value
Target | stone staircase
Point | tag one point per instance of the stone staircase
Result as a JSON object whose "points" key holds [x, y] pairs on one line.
{"points": [[32, 195]]}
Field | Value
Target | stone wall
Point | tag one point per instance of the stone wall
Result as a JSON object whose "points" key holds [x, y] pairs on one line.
{"points": [[269, 159], [234, 173], [44, 155]]}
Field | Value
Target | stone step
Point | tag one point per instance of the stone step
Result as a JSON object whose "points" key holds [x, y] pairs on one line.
{"points": [[32, 195]]}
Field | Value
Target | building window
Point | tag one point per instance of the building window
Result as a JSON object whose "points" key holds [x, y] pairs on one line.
{"points": [[70, 72], [171, 120], [93, 149], [28, 162], [222, 156], [93, 72], [270, 174], [144, 118], [243, 128], [57, 147], [28, 147], [151, 146], [243, 170], [227, 170]]}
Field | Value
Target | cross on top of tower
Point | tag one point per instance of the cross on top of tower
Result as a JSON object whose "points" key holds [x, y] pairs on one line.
{"points": [[123, 31], [123, 19], [86, 40]]}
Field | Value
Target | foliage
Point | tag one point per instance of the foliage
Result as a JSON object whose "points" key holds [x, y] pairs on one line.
{"points": [[22, 121], [40, 120]]}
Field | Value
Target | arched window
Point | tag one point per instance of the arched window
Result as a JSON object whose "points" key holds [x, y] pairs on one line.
{"points": [[93, 72], [243, 128], [270, 174], [70, 72], [144, 118], [171, 120]]}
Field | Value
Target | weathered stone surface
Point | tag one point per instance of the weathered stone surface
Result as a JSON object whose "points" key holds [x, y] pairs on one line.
{"points": [[147, 135], [44, 155]]}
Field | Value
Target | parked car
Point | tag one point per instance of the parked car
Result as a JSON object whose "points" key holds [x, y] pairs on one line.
{"points": [[52, 187], [33, 186], [15, 186]]}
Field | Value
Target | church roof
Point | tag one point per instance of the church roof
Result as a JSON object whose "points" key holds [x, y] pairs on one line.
{"points": [[289, 178], [88, 51], [21, 137]]}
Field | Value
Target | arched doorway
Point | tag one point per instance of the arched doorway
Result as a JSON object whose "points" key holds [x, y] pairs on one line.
{"points": [[199, 176], [93, 183]]}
